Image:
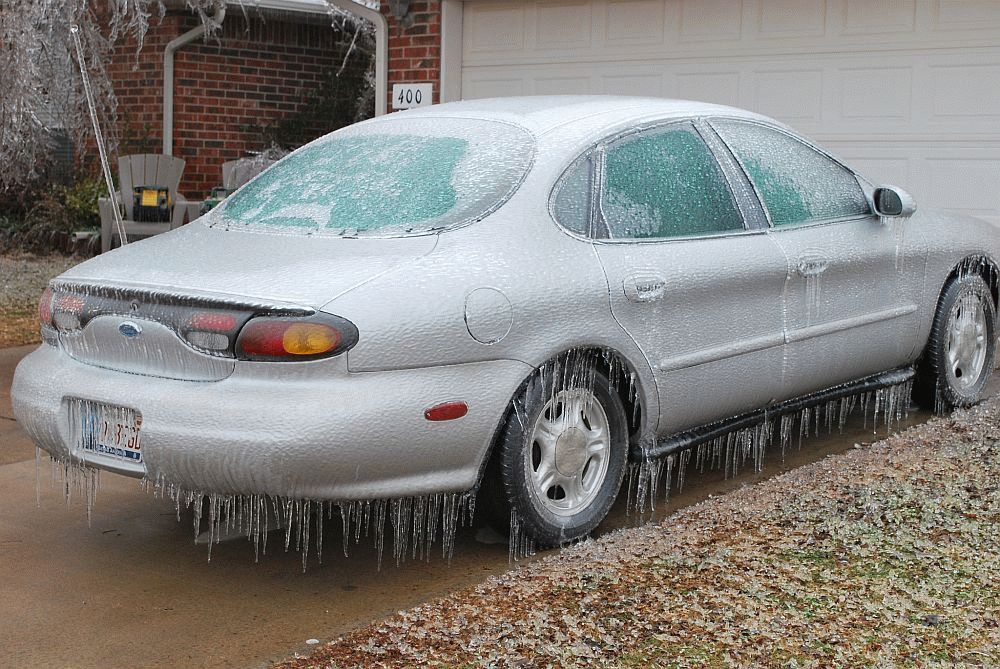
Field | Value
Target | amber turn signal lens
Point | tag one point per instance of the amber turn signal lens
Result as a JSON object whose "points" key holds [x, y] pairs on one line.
{"points": [[270, 338], [309, 339]]}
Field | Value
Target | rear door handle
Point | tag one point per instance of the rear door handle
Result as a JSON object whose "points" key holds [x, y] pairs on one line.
{"points": [[645, 287], [811, 266]]}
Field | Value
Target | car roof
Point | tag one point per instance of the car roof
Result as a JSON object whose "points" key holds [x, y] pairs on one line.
{"points": [[542, 114]]}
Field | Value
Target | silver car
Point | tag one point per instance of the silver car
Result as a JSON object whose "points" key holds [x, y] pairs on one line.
{"points": [[516, 297]]}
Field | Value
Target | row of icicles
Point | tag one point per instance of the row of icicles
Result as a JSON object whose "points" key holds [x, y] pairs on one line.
{"points": [[418, 522]]}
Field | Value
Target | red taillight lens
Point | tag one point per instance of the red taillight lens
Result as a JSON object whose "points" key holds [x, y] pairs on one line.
{"points": [[69, 303], [45, 308], [66, 310], [264, 338], [318, 336], [206, 321]]}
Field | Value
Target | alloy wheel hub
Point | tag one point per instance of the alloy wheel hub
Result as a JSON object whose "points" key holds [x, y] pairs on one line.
{"points": [[967, 345], [569, 454]]}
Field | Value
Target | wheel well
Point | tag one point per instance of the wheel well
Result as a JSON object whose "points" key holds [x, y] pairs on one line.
{"points": [[978, 265], [624, 381]]}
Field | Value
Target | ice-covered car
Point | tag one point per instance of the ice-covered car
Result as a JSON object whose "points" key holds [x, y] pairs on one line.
{"points": [[522, 295]]}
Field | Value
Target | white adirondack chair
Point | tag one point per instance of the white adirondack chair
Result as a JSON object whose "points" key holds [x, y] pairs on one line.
{"points": [[142, 170]]}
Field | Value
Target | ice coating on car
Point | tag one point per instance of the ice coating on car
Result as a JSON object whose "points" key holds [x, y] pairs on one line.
{"points": [[666, 184], [387, 177], [880, 408], [795, 183], [687, 342]]}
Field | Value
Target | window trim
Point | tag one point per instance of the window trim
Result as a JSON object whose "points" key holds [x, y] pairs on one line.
{"points": [[745, 205], [710, 122]]}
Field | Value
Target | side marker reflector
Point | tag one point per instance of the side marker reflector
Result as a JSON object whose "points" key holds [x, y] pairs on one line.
{"points": [[447, 411]]}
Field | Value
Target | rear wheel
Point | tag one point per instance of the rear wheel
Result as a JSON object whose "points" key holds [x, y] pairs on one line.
{"points": [[960, 352], [562, 458]]}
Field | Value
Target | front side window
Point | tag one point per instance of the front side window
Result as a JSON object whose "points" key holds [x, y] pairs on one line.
{"points": [[796, 183], [387, 177], [666, 183]]}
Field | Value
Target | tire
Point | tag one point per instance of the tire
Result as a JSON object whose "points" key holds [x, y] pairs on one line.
{"points": [[960, 352], [562, 454]]}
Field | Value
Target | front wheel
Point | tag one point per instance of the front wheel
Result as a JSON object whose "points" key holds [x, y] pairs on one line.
{"points": [[563, 457], [960, 352]]}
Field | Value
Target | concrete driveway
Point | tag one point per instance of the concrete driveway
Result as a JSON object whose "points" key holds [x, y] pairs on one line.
{"points": [[132, 590]]}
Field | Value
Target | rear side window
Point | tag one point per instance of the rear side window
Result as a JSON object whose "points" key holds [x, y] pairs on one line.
{"points": [[573, 196], [666, 183], [797, 183]]}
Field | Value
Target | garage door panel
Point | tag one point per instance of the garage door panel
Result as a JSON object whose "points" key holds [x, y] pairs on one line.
{"points": [[562, 25], [791, 18], [967, 184], [489, 28], [862, 17], [966, 90], [875, 94], [493, 88], [966, 14], [719, 87], [561, 85], [795, 96], [633, 22], [709, 20], [632, 84]]}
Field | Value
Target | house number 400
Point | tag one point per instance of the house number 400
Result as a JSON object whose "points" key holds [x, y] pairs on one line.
{"points": [[405, 96]]}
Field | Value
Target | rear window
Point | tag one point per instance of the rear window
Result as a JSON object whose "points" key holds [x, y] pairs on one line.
{"points": [[387, 178]]}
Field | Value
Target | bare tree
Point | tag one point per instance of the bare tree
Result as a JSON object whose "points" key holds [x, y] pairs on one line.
{"points": [[41, 92]]}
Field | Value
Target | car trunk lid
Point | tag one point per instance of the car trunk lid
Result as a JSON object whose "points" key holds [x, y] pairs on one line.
{"points": [[301, 269], [172, 306]]}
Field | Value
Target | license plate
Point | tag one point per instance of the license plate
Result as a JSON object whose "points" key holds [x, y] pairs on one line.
{"points": [[107, 430]]}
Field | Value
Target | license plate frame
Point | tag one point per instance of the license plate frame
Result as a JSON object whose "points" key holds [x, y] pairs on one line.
{"points": [[106, 430]]}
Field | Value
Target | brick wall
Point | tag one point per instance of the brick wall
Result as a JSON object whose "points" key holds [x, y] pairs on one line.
{"points": [[232, 95], [415, 52]]}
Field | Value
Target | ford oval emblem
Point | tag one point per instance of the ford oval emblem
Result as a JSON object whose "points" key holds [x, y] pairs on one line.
{"points": [[129, 330]]}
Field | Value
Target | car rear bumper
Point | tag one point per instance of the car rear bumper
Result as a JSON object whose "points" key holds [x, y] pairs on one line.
{"points": [[308, 436]]}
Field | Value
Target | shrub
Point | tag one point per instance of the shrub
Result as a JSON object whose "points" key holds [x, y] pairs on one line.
{"points": [[50, 220]]}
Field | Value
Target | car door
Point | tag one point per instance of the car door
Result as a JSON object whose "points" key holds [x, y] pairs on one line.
{"points": [[849, 311], [693, 278]]}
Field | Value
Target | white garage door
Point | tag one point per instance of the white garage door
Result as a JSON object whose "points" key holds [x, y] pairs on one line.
{"points": [[907, 91]]}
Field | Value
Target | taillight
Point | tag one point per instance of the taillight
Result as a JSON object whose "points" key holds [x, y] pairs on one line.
{"points": [[66, 310], [212, 330], [45, 308], [212, 322], [289, 338]]}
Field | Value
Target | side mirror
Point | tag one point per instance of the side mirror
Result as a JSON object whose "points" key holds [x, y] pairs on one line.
{"points": [[893, 202]]}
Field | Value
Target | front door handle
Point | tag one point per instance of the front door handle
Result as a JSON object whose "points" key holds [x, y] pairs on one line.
{"points": [[645, 287]]}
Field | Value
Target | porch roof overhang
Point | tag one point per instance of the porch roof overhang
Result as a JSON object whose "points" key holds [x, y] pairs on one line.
{"points": [[365, 9], [307, 6]]}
